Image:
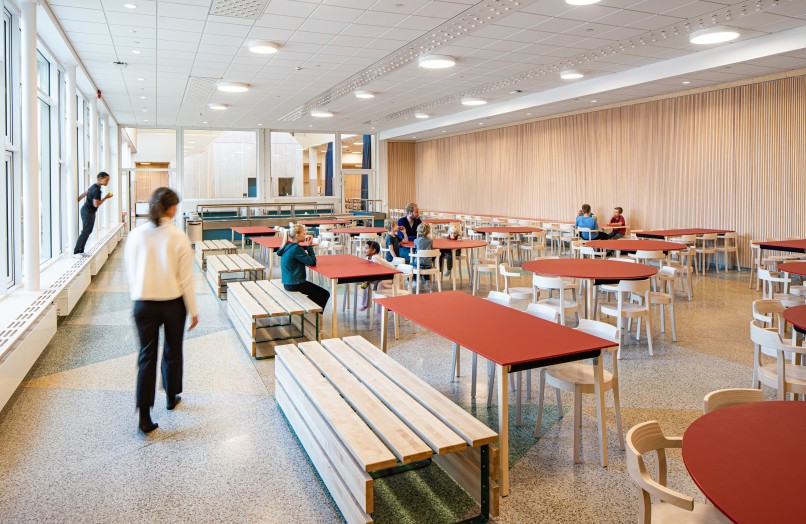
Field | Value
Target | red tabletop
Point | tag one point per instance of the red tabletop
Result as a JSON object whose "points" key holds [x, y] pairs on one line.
{"points": [[663, 233], [274, 242], [748, 460], [796, 316], [254, 230], [357, 230], [590, 268], [798, 268], [507, 229], [440, 220], [504, 335], [345, 267], [794, 246], [447, 245], [324, 222], [635, 245]]}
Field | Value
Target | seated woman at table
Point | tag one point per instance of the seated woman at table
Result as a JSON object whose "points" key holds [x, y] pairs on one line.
{"points": [[447, 256], [393, 242], [293, 260], [372, 252], [617, 218], [587, 220]]}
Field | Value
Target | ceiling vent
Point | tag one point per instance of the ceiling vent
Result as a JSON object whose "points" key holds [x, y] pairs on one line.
{"points": [[238, 8], [198, 91]]}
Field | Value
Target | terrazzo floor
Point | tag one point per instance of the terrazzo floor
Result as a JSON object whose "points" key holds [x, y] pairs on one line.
{"points": [[70, 450]]}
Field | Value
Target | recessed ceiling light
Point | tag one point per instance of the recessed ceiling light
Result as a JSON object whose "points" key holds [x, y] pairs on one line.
{"points": [[136, 51], [528, 114], [260, 124], [686, 82], [321, 113], [421, 115], [443, 130], [414, 137], [436, 61], [481, 123], [714, 35], [358, 143], [145, 163], [233, 87], [310, 125], [472, 101], [142, 98], [262, 47], [594, 101], [130, 6], [217, 107], [146, 121], [140, 79], [582, 2], [204, 122], [364, 94], [571, 74], [144, 110]]}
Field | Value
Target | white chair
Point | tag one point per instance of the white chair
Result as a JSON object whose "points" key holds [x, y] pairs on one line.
{"points": [[362, 239], [420, 271], [730, 397], [664, 297], [674, 507], [648, 257], [505, 240], [517, 293], [705, 247], [546, 313], [578, 378], [535, 243], [755, 262], [562, 305], [568, 233], [334, 245], [768, 284], [589, 252], [684, 269], [553, 234], [402, 286], [728, 247], [486, 265], [622, 308], [781, 375]]}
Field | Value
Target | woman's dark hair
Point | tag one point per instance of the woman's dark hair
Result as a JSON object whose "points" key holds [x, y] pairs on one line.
{"points": [[161, 199], [374, 246]]}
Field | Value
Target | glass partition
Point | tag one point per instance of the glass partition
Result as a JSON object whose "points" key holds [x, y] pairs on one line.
{"points": [[220, 164], [302, 164]]}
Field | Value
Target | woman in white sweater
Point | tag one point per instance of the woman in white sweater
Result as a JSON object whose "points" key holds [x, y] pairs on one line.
{"points": [[159, 267]]}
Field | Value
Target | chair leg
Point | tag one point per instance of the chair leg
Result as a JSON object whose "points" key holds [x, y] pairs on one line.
{"points": [[540, 396], [649, 334], [617, 405], [490, 382], [528, 384], [474, 364], [518, 397], [671, 316], [455, 363], [577, 422]]}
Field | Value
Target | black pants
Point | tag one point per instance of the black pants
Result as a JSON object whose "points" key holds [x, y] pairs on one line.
{"points": [[316, 293], [447, 258], [149, 315], [88, 222]]}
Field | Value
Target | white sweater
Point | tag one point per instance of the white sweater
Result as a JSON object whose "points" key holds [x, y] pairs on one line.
{"points": [[159, 264]]}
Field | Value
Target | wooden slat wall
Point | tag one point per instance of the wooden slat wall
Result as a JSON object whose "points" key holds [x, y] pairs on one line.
{"points": [[733, 158], [400, 168]]}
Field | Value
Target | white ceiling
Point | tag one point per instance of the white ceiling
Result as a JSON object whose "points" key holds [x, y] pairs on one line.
{"points": [[184, 51]]}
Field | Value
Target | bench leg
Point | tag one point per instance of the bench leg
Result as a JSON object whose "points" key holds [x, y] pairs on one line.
{"points": [[484, 514]]}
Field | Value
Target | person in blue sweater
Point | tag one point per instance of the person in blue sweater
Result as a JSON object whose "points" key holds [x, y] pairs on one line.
{"points": [[407, 228], [588, 220], [293, 260]]}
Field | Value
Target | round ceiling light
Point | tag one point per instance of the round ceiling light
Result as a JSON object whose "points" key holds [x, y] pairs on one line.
{"points": [[233, 87], [582, 2], [263, 47], [472, 101], [364, 94], [218, 107], [436, 61], [321, 113], [571, 74], [714, 35], [421, 115]]}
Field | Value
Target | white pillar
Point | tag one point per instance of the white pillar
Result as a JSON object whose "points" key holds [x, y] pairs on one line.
{"points": [[108, 207], [71, 160], [30, 157], [313, 173], [4, 240], [93, 159]]}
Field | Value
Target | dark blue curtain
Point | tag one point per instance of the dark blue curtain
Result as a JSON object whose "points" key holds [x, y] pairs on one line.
{"points": [[366, 163], [329, 170]]}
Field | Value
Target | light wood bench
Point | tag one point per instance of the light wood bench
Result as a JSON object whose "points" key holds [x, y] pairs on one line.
{"points": [[206, 248], [255, 307], [223, 269], [361, 415]]}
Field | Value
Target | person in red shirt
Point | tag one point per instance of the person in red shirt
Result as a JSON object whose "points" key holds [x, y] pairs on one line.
{"points": [[617, 218]]}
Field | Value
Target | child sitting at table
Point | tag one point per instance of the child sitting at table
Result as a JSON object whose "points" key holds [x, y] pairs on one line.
{"points": [[393, 242], [447, 256], [372, 252], [423, 242], [617, 218], [587, 220]]}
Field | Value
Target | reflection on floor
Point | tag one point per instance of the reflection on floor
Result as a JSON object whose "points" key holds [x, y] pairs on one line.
{"points": [[71, 450]]}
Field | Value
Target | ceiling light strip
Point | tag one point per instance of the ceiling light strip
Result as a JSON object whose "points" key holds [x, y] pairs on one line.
{"points": [[722, 15], [480, 15]]}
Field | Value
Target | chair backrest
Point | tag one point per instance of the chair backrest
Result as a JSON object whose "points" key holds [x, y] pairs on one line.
{"points": [[369, 236], [588, 251], [622, 259], [542, 282], [543, 311], [398, 261], [499, 298], [651, 255], [599, 329], [646, 438], [634, 286], [424, 253], [770, 340], [499, 236], [688, 239], [730, 397], [768, 312], [504, 270]]}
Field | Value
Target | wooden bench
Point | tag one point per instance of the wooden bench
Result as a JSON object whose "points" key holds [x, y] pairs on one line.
{"points": [[223, 269], [255, 307], [206, 248], [361, 415]]}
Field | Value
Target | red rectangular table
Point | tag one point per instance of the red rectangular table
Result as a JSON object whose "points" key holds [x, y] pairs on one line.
{"points": [[792, 246], [350, 269], [252, 231], [666, 233], [514, 340]]}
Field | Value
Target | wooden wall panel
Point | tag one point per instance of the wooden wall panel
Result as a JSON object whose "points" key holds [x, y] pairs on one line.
{"points": [[400, 169], [733, 158]]}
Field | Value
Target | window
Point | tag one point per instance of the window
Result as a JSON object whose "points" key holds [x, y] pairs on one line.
{"points": [[220, 164], [42, 73], [45, 215], [7, 61], [9, 209], [302, 164]]}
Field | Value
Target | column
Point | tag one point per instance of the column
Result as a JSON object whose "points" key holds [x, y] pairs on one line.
{"points": [[71, 160], [93, 159], [313, 173], [108, 208], [30, 157]]}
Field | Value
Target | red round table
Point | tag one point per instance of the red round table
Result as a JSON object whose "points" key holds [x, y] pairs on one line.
{"points": [[630, 246], [594, 271], [798, 268], [797, 317], [329, 222], [515, 230], [748, 460], [357, 230], [440, 221]]}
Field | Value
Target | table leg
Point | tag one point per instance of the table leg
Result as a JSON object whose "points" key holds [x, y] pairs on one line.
{"points": [[598, 376], [252, 253], [334, 309], [589, 297], [384, 314], [455, 266], [503, 427]]}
